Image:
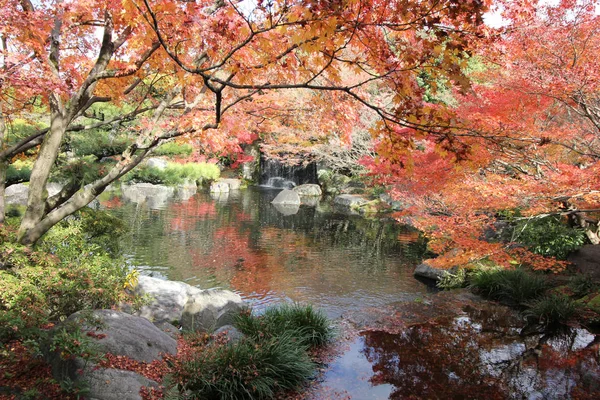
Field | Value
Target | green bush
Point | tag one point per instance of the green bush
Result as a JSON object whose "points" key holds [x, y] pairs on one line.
{"points": [[69, 270], [175, 174], [171, 149], [99, 143], [18, 172], [552, 310], [548, 236], [310, 327], [515, 287], [247, 369]]}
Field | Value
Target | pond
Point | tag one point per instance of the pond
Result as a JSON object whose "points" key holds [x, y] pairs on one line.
{"points": [[401, 339]]}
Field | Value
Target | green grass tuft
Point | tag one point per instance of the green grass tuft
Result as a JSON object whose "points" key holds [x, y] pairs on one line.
{"points": [[310, 326], [515, 287], [247, 369], [553, 310]]}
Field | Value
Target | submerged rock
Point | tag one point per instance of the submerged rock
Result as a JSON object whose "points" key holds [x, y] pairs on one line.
{"points": [[194, 308], [287, 197]]}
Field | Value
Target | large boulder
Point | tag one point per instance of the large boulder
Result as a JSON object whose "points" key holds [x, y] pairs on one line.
{"points": [[287, 197], [115, 384], [193, 308], [116, 333], [587, 260], [17, 194], [308, 189]]}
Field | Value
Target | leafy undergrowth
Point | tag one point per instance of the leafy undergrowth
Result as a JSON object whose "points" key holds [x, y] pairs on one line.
{"points": [[25, 375]]}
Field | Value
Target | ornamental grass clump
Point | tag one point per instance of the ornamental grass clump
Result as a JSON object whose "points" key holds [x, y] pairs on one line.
{"points": [[247, 369], [515, 287], [552, 310], [310, 326]]}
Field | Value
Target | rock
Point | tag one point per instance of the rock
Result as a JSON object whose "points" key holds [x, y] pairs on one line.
{"points": [[234, 184], [251, 169], [115, 384], [287, 197], [156, 196], [308, 189], [425, 270], [119, 334], [186, 191], [232, 334], [169, 329], [349, 200], [126, 334], [287, 209], [210, 309], [194, 308], [219, 187], [310, 201], [157, 163], [587, 260], [17, 194]]}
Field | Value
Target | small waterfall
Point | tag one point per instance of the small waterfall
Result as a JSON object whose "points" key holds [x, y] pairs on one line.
{"points": [[278, 175]]}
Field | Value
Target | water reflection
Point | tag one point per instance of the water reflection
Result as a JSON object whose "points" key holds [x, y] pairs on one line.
{"points": [[481, 355], [244, 243]]}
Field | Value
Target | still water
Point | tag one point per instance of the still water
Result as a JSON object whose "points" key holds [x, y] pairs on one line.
{"points": [[406, 341], [243, 243]]}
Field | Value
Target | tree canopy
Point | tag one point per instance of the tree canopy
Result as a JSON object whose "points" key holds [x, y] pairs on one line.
{"points": [[466, 119]]}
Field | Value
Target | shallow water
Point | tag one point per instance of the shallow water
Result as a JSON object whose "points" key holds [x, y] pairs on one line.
{"points": [[406, 341]]}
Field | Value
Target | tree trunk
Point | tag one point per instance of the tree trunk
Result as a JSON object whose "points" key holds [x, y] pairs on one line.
{"points": [[36, 202], [3, 167]]}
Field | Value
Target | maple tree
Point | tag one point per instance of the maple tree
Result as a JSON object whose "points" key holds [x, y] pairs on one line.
{"points": [[523, 140], [195, 69]]}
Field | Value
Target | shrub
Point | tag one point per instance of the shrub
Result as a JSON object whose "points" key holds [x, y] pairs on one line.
{"points": [[247, 369], [18, 172], [66, 273], [514, 287], [175, 174], [552, 310], [310, 327], [548, 236], [171, 149]]}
